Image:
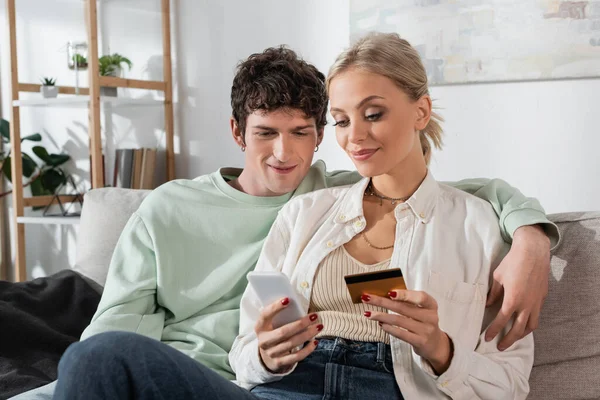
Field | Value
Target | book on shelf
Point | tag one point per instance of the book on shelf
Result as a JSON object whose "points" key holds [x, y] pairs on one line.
{"points": [[134, 168]]}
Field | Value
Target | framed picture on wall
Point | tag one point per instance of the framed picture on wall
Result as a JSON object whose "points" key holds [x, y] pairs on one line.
{"points": [[465, 41]]}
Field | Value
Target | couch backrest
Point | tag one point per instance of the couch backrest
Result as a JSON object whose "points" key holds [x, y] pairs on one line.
{"points": [[567, 342], [103, 217]]}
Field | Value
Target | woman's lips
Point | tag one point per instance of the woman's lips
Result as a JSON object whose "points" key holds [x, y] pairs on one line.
{"points": [[362, 155]]}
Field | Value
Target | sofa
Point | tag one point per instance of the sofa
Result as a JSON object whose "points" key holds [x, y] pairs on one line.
{"points": [[567, 353]]}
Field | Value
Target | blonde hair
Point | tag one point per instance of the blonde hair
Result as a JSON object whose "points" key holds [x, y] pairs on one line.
{"points": [[389, 55]]}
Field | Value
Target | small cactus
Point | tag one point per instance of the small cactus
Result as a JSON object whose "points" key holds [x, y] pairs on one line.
{"points": [[48, 81]]}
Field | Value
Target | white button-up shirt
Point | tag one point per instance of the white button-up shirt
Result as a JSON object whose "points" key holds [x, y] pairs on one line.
{"points": [[447, 244]]}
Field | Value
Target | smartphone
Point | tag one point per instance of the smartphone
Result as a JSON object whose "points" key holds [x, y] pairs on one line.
{"points": [[378, 283], [271, 287]]}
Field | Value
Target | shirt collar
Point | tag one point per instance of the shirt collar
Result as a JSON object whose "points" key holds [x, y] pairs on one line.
{"points": [[422, 201]]}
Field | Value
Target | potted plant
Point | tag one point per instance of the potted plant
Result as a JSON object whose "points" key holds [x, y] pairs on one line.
{"points": [[44, 176], [48, 89], [110, 65], [79, 61]]}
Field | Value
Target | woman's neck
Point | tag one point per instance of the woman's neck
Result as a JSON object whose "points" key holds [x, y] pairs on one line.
{"points": [[403, 180]]}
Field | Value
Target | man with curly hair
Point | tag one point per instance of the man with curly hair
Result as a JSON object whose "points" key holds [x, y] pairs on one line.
{"points": [[179, 269]]}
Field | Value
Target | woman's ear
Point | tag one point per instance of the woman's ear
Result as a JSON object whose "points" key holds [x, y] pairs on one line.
{"points": [[423, 108]]}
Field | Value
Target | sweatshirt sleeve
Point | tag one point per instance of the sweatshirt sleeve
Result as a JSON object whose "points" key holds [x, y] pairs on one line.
{"points": [[128, 301], [513, 209]]}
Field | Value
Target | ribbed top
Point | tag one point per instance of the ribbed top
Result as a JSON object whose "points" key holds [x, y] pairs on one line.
{"points": [[330, 298]]}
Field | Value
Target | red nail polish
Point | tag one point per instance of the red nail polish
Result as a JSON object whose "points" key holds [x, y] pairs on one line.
{"points": [[320, 327], [367, 314], [392, 294], [313, 317], [316, 342], [285, 301], [365, 297]]}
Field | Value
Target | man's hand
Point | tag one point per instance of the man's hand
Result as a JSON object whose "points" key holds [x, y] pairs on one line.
{"points": [[523, 279]]}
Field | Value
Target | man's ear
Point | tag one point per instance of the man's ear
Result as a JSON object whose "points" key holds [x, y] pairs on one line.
{"points": [[423, 112], [236, 133], [320, 133]]}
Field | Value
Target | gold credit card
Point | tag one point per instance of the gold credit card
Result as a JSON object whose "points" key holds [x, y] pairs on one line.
{"points": [[378, 283]]}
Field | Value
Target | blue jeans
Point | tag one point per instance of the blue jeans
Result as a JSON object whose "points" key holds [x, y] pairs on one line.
{"points": [[338, 369], [121, 365]]}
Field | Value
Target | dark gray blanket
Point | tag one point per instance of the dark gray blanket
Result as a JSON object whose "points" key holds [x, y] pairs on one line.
{"points": [[39, 319]]}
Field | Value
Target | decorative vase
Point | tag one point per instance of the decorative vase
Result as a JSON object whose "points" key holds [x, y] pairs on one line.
{"points": [[108, 91], [111, 91], [49, 92]]}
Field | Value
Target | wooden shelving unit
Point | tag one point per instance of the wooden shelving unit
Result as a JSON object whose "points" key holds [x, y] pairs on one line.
{"points": [[90, 98]]}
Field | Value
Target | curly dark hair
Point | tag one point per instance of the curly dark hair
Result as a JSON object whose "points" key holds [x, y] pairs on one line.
{"points": [[274, 79]]}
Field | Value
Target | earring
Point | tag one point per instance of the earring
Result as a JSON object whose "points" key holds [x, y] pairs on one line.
{"points": [[316, 149], [243, 148]]}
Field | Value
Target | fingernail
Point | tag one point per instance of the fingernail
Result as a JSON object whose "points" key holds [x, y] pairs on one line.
{"points": [[313, 317], [316, 342], [285, 301], [501, 348], [320, 327], [367, 314], [365, 297], [392, 294]]}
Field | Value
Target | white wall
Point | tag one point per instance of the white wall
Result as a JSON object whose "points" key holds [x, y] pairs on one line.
{"points": [[539, 136], [542, 137], [214, 37]]}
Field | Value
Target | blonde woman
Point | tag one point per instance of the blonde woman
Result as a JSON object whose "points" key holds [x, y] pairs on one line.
{"points": [[426, 342]]}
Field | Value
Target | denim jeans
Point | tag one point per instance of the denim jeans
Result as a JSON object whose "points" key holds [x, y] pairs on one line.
{"points": [[121, 365], [338, 369]]}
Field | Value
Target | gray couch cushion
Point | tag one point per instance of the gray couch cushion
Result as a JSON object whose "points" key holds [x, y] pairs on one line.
{"points": [[104, 215], [567, 342]]}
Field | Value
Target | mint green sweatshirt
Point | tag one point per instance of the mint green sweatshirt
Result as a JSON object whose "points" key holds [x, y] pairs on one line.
{"points": [[179, 269]]}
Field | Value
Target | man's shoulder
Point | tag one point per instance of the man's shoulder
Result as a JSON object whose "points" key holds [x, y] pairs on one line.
{"points": [[179, 193]]}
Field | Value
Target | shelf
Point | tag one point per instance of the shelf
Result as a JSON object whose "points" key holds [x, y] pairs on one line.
{"points": [[134, 5], [49, 220], [83, 102]]}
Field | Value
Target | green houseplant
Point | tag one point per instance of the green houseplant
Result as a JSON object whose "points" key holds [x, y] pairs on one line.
{"points": [[78, 60], [48, 88], [44, 176], [111, 65]]}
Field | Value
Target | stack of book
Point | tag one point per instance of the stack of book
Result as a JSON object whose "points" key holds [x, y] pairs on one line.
{"points": [[134, 168]]}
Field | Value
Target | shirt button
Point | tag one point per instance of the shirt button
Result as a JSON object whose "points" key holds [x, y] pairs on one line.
{"points": [[359, 224], [330, 244], [304, 285], [341, 217], [422, 215], [445, 383]]}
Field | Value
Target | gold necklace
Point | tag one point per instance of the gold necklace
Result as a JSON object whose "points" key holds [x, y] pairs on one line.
{"points": [[370, 191], [364, 236]]}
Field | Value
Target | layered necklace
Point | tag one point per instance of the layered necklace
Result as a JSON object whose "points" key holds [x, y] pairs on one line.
{"points": [[370, 191]]}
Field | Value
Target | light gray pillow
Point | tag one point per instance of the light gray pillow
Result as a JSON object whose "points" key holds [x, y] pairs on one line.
{"points": [[103, 216]]}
